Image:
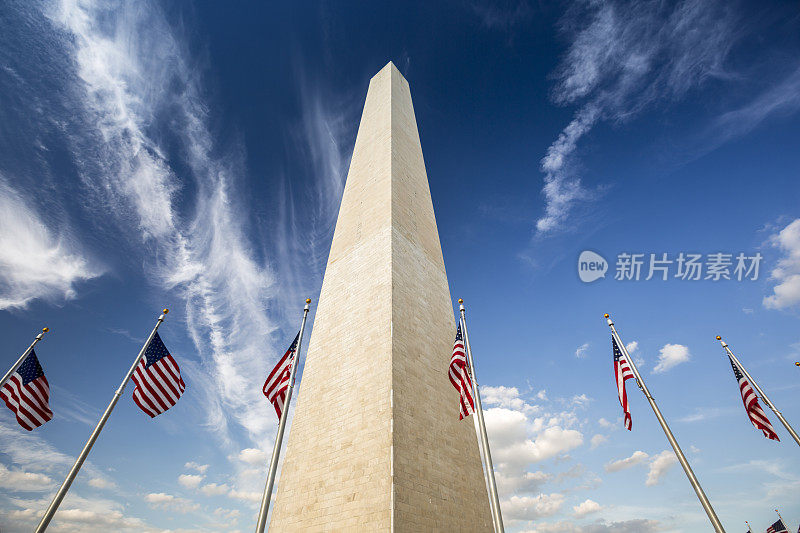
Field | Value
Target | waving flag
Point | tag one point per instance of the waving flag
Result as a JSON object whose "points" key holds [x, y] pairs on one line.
{"points": [[459, 376], [278, 380], [158, 379], [754, 412], [777, 527], [27, 394], [622, 372]]}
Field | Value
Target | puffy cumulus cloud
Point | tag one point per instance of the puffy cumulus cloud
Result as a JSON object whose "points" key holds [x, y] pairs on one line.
{"points": [[509, 437], [605, 423], [531, 507], [671, 355], [786, 292], [76, 515], [527, 482], [190, 481], [254, 456], [582, 350], [101, 483], [34, 262], [191, 465], [585, 508], [626, 526], [16, 480], [659, 466], [168, 502], [638, 457], [597, 440], [214, 489], [246, 496], [502, 396]]}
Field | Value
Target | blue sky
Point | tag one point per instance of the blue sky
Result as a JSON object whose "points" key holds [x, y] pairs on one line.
{"points": [[193, 155]]}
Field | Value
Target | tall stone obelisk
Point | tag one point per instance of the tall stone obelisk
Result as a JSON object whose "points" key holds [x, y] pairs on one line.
{"points": [[376, 443]]}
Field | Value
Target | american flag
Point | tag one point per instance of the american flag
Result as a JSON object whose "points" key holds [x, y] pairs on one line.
{"points": [[158, 379], [777, 527], [622, 372], [460, 377], [278, 380], [27, 393], [751, 405]]}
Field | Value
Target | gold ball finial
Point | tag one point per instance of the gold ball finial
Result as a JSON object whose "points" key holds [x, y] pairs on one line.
{"points": [[606, 315], [45, 330], [719, 338], [165, 311], [308, 300], [797, 363], [461, 300]]}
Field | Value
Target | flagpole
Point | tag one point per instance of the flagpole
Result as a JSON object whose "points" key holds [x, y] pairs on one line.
{"points": [[771, 405], [48, 515], [748, 526], [781, 519], [22, 357], [712, 516], [497, 517], [276, 449]]}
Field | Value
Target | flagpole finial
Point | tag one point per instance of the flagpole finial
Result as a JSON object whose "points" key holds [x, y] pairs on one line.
{"points": [[606, 315], [461, 300], [797, 363], [308, 300], [165, 311], [719, 338], [45, 329]]}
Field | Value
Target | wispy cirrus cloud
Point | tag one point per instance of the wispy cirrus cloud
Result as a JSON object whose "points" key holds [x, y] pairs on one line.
{"points": [[36, 262], [132, 68], [624, 57]]}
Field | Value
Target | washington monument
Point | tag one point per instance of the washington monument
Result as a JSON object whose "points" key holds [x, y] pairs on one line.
{"points": [[376, 443]]}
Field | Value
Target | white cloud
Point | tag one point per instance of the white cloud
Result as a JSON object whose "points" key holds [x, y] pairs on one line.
{"points": [[168, 502], [671, 355], [101, 483], [621, 59], [35, 263], [597, 440], [531, 507], [605, 423], [585, 508], [581, 400], [786, 292], [195, 466], [638, 457], [21, 481], [247, 496], [213, 489], [626, 526], [190, 481], [659, 465], [204, 256], [254, 456], [502, 396], [582, 350]]}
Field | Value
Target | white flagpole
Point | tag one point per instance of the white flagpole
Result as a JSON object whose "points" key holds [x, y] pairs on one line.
{"points": [[22, 357], [494, 503], [276, 450], [749, 529], [712, 516], [48, 515], [771, 405]]}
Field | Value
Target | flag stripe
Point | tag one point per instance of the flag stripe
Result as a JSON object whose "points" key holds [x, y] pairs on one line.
{"points": [[460, 377], [622, 373], [277, 382], [27, 394], [750, 400], [158, 380]]}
